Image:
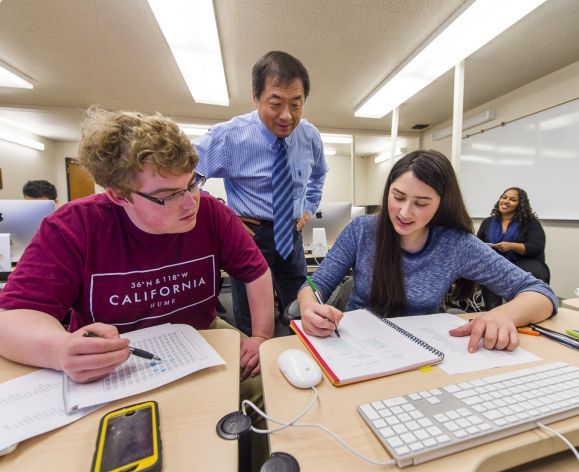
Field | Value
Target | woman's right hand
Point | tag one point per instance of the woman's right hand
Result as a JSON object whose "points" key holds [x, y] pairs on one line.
{"points": [[320, 320], [85, 359]]}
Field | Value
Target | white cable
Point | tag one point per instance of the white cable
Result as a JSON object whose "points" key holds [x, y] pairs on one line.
{"points": [[560, 436], [344, 444], [284, 425], [307, 425]]}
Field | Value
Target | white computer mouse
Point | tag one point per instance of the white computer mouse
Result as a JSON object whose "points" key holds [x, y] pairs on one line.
{"points": [[299, 369]]}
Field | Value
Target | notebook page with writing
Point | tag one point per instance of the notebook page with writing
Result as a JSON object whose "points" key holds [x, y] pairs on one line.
{"points": [[182, 350], [368, 347], [434, 328]]}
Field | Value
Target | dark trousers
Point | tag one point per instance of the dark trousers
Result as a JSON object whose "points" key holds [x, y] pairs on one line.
{"points": [[537, 268], [288, 275]]}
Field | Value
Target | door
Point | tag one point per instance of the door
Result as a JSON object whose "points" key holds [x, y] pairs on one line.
{"points": [[79, 182]]}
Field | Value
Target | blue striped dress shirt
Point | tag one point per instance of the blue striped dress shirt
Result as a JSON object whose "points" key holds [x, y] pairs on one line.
{"points": [[242, 152]]}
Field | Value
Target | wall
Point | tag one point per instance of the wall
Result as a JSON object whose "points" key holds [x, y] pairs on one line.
{"points": [[337, 186], [370, 176], [62, 150], [370, 185], [338, 183], [562, 249], [20, 164]]}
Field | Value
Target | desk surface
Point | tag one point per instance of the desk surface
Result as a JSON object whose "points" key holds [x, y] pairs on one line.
{"points": [[189, 410], [336, 409], [571, 303]]}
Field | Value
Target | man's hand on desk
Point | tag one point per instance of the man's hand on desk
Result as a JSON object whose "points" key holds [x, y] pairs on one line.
{"points": [[495, 329], [86, 359], [249, 361]]}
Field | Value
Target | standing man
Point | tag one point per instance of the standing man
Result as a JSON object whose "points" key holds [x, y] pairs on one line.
{"points": [[273, 166]]}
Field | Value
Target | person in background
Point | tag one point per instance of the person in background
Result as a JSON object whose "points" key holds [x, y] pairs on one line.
{"points": [[147, 251], [514, 231], [39, 190], [273, 166], [406, 258]]}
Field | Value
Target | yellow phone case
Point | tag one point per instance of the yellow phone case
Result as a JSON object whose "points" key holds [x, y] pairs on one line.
{"points": [[129, 440]]}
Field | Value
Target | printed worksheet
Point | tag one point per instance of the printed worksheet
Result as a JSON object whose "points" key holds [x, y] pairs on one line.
{"points": [[182, 351], [33, 404], [434, 329]]}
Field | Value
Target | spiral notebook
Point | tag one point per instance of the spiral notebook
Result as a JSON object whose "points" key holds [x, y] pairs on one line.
{"points": [[369, 347]]}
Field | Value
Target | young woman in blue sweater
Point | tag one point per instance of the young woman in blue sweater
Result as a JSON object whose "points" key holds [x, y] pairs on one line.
{"points": [[406, 258]]}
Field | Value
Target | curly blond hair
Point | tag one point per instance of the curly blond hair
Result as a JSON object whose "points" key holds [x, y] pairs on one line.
{"points": [[115, 146]]}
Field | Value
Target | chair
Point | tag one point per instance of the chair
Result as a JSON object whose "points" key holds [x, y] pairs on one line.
{"points": [[339, 299]]}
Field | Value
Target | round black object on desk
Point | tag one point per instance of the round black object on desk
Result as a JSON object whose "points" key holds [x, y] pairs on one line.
{"points": [[233, 425], [280, 462]]}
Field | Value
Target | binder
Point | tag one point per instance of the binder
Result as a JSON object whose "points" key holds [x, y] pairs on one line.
{"points": [[369, 347]]}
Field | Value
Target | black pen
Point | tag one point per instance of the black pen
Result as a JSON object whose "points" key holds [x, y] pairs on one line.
{"points": [[560, 337], [319, 299], [134, 351]]}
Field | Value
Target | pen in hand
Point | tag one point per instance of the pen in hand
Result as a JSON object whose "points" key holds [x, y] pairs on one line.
{"points": [[135, 351], [319, 299]]}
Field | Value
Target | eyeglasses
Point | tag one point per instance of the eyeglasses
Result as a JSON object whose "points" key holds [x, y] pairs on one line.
{"points": [[196, 184]]}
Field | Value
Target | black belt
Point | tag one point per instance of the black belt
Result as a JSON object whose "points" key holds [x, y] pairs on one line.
{"points": [[255, 222]]}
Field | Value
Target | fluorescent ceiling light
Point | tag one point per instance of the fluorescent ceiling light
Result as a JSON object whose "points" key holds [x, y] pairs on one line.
{"points": [[191, 31], [467, 123], [14, 138], [194, 130], [329, 151], [10, 79], [336, 138], [478, 24]]}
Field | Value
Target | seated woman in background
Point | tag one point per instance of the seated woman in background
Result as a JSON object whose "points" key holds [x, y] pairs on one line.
{"points": [[514, 231], [406, 257]]}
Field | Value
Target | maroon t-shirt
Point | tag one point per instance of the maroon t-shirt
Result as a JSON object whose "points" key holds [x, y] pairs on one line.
{"points": [[90, 257]]}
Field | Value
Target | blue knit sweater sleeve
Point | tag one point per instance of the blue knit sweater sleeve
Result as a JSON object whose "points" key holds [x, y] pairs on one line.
{"points": [[354, 249], [448, 255]]}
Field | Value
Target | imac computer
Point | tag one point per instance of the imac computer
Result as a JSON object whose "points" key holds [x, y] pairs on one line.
{"points": [[21, 219], [332, 217], [358, 211]]}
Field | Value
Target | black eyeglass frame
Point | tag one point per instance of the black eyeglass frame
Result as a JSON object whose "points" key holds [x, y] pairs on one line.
{"points": [[197, 183]]}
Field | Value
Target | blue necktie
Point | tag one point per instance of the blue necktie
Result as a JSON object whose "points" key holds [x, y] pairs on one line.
{"points": [[282, 201]]}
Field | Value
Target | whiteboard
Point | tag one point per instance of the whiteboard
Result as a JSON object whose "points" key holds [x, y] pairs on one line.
{"points": [[538, 153]]}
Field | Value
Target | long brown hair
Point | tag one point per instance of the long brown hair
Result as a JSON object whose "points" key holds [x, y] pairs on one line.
{"points": [[388, 295]]}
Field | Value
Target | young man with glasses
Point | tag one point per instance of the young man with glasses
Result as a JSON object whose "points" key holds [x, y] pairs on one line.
{"points": [[147, 251]]}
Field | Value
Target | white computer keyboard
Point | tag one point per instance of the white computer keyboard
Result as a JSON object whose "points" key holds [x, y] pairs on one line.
{"points": [[422, 426]]}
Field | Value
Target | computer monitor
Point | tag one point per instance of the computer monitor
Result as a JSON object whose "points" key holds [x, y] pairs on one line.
{"points": [[358, 211], [333, 217], [21, 218]]}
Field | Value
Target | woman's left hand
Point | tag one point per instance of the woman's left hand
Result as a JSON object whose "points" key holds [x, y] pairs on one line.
{"points": [[495, 329]]}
